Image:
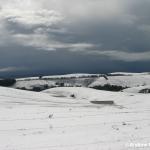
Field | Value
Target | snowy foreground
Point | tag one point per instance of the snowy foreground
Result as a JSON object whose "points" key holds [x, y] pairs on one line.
{"points": [[65, 119]]}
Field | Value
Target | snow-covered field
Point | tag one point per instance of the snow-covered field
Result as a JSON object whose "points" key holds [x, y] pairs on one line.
{"points": [[124, 80], [65, 119], [140, 89]]}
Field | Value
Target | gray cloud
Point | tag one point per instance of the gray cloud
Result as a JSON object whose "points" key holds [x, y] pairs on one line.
{"points": [[11, 69], [121, 55], [118, 30], [32, 18]]}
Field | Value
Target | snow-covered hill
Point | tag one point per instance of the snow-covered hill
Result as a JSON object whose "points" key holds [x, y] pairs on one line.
{"points": [[111, 82], [56, 120], [46, 82], [140, 89], [124, 80]]}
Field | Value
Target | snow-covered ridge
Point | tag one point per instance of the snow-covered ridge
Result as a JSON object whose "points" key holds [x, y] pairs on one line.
{"points": [[83, 75], [77, 75], [125, 81], [113, 81], [140, 89], [128, 73], [45, 82]]}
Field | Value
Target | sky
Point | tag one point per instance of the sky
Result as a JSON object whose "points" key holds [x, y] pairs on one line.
{"points": [[48, 37]]}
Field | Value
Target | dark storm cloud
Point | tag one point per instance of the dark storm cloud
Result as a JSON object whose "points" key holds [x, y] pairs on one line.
{"points": [[36, 35], [29, 63]]}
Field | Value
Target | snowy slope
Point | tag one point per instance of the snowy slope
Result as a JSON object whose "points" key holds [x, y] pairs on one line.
{"points": [[140, 89], [132, 80], [30, 84], [75, 75], [120, 79], [129, 73], [55, 81], [55, 121]]}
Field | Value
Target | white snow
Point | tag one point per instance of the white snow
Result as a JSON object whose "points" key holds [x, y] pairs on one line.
{"points": [[52, 120], [75, 75], [29, 84], [86, 80], [129, 73], [136, 89], [125, 81], [50, 81]]}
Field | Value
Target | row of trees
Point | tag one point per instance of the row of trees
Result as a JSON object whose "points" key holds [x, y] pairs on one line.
{"points": [[108, 87]]}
